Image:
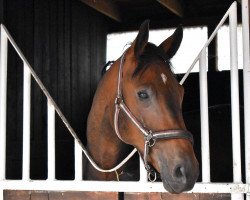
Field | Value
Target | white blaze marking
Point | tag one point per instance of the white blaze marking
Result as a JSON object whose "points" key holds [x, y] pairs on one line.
{"points": [[164, 78]]}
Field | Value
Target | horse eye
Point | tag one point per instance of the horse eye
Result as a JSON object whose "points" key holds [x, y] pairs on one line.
{"points": [[143, 95]]}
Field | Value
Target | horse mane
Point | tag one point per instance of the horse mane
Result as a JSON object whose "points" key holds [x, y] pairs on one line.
{"points": [[105, 67]]}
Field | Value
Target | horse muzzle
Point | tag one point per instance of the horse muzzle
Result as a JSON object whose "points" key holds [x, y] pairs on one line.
{"points": [[179, 176]]}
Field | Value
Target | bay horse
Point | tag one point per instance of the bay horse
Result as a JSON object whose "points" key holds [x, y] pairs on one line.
{"points": [[138, 103]]}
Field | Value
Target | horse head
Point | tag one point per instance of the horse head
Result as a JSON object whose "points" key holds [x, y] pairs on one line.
{"points": [[150, 103]]}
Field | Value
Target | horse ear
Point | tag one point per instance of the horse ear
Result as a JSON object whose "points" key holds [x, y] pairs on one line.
{"points": [[141, 39], [172, 44]]}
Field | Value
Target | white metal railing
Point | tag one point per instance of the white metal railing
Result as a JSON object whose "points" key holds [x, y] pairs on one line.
{"points": [[232, 14], [237, 188], [237, 178]]}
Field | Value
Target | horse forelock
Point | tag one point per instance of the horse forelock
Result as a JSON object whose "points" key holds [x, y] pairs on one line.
{"points": [[150, 54]]}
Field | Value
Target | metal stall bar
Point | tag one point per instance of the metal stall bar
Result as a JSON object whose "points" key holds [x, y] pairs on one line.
{"points": [[206, 45], [121, 186], [51, 107], [204, 118], [246, 82], [235, 99], [143, 172], [26, 122], [78, 162], [3, 101], [235, 94], [51, 142]]}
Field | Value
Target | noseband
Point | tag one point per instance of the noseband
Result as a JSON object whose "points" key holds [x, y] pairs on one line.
{"points": [[150, 137]]}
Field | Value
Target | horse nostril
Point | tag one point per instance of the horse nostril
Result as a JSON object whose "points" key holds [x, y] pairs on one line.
{"points": [[180, 174], [179, 171]]}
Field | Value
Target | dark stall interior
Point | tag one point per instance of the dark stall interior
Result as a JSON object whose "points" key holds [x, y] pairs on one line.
{"points": [[65, 42]]}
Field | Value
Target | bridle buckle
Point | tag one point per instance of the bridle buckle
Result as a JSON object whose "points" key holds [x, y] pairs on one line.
{"points": [[118, 100], [149, 139], [152, 175]]}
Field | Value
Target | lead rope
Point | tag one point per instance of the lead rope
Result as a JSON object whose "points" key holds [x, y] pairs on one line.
{"points": [[73, 133]]}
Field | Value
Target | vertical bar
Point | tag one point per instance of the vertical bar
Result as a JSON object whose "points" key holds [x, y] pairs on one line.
{"points": [[26, 122], [212, 51], [3, 99], [204, 118], [78, 162], [143, 172], [51, 141], [235, 99], [235, 94], [246, 82]]}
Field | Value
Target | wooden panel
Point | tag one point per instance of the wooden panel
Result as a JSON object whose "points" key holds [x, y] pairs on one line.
{"points": [[14, 102], [87, 60], [80, 69], [107, 7], [44, 195], [39, 111], [65, 42], [16, 195], [173, 5], [167, 196], [14, 96], [83, 195], [39, 195], [2, 11]]}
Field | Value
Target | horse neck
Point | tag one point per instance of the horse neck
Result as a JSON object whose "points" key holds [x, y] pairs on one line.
{"points": [[102, 141]]}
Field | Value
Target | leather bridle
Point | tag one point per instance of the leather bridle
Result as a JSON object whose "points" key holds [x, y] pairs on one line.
{"points": [[150, 137]]}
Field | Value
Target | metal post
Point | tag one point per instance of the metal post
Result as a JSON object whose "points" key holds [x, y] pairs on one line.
{"points": [[235, 99], [235, 94], [206, 45], [246, 81], [204, 118], [78, 162], [3, 100], [26, 122], [51, 141], [143, 172]]}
